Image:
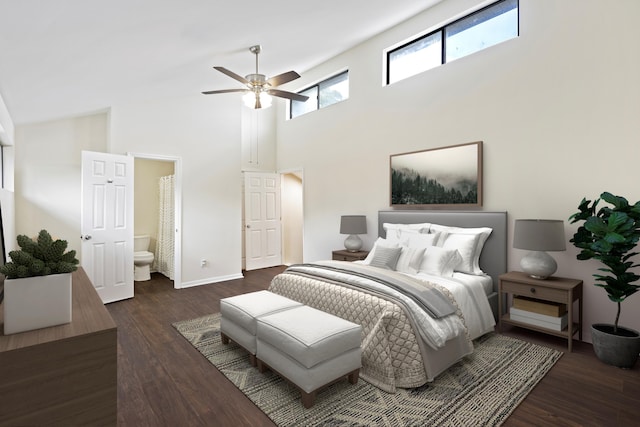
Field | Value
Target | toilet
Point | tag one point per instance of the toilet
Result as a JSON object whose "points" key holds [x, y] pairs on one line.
{"points": [[142, 258]]}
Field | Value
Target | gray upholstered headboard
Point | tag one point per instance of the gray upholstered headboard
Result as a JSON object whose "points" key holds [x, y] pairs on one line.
{"points": [[493, 259]]}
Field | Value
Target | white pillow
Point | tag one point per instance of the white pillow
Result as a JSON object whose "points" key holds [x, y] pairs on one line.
{"points": [[410, 260], [379, 242], [421, 240], [464, 237], [395, 232], [439, 261], [465, 245], [385, 257]]}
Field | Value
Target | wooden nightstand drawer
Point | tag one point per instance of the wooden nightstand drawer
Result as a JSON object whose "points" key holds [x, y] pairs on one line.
{"points": [[534, 291], [344, 255]]}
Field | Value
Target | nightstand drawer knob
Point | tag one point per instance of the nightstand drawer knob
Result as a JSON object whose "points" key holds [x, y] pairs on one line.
{"points": [[533, 290]]}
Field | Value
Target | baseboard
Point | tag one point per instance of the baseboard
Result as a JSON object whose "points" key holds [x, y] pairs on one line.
{"points": [[210, 280]]}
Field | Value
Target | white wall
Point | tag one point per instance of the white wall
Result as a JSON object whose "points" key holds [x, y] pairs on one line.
{"points": [[205, 132], [557, 109], [48, 174], [258, 139]]}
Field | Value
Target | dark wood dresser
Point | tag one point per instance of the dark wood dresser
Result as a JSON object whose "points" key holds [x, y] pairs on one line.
{"points": [[65, 374]]}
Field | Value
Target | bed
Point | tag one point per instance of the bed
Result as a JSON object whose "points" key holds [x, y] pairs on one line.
{"points": [[408, 338]]}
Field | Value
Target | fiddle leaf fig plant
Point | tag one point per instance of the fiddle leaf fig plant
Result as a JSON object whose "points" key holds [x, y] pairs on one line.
{"points": [[40, 257], [610, 235]]}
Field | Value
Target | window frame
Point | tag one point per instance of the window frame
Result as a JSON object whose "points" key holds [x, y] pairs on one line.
{"points": [[443, 38], [318, 87]]}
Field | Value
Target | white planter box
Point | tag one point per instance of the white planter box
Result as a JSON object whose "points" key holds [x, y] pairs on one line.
{"points": [[36, 302]]}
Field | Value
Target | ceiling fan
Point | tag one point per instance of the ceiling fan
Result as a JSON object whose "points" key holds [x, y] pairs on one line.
{"points": [[259, 87]]}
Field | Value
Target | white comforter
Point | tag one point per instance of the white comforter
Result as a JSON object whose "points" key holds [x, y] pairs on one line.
{"points": [[469, 297]]}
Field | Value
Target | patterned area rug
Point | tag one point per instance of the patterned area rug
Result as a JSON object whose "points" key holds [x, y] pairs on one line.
{"points": [[481, 390]]}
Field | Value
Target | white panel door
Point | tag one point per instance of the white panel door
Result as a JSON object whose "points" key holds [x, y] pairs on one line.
{"points": [[107, 223], [263, 246]]}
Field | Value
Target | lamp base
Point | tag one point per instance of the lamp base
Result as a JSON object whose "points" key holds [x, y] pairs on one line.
{"points": [[538, 264], [353, 243]]}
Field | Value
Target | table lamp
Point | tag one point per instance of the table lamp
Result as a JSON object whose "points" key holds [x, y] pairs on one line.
{"points": [[539, 236], [353, 225]]}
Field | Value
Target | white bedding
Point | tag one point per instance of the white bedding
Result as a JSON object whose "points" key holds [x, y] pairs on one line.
{"points": [[483, 280], [435, 332], [470, 294]]}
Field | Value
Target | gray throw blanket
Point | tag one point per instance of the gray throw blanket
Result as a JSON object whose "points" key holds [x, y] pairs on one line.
{"points": [[429, 298]]}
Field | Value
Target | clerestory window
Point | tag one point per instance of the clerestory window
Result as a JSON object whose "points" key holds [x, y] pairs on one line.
{"points": [[479, 30], [321, 95]]}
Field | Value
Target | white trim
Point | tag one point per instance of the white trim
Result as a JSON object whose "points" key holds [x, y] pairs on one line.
{"points": [[211, 280]]}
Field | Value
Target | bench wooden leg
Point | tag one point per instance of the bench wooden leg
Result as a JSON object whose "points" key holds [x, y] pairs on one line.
{"points": [[353, 376], [224, 338], [308, 399], [262, 367]]}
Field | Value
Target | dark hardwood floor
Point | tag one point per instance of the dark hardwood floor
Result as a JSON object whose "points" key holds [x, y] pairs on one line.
{"points": [[164, 381]]}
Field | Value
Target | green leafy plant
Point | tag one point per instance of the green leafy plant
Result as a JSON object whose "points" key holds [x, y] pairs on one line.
{"points": [[40, 257], [610, 235]]}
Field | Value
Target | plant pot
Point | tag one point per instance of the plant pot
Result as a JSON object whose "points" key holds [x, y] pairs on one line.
{"points": [[36, 302], [620, 349]]}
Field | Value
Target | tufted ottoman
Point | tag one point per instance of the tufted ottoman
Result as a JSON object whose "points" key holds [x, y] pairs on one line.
{"points": [[310, 348], [239, 315]]}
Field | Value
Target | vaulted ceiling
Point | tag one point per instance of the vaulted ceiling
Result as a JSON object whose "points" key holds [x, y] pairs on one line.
{"points": [[61, 58]]}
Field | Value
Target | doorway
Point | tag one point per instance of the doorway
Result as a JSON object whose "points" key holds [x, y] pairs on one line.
{"points": [[292, 216], [149, 170], [290, 244]]}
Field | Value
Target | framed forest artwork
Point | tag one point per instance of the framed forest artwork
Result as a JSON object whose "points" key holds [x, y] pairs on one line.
{"points": [[445, 177]]}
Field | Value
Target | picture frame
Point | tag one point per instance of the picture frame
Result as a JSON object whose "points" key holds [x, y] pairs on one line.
{"points": [[446, 177]]}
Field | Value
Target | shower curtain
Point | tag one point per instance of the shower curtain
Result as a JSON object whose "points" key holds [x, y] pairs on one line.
{"points": [[164, 260]]}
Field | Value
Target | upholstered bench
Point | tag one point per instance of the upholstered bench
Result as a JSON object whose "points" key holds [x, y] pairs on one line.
{"points": [[240, 313], [310, 348]]}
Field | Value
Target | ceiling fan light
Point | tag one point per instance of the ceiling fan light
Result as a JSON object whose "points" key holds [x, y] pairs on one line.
{"points": [[265, 100], [251, 100]]}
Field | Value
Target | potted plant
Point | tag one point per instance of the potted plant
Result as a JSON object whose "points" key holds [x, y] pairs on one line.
{"points": [[37, 286], [610, 235]]}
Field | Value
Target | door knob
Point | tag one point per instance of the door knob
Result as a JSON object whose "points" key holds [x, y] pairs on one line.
{"points": [[86, 237], [248, 226]]}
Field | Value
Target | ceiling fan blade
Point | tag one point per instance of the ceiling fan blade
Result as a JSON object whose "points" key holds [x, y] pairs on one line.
{"points": [[210, 92], [283, 78], [233, 75], [288, 95]]}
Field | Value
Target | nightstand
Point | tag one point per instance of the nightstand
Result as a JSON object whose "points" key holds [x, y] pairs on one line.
{"points": [[345, 255], [553, 289]]}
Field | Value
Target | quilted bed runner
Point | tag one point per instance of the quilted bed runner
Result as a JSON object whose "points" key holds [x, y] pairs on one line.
{"points": [[481, 390]]}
